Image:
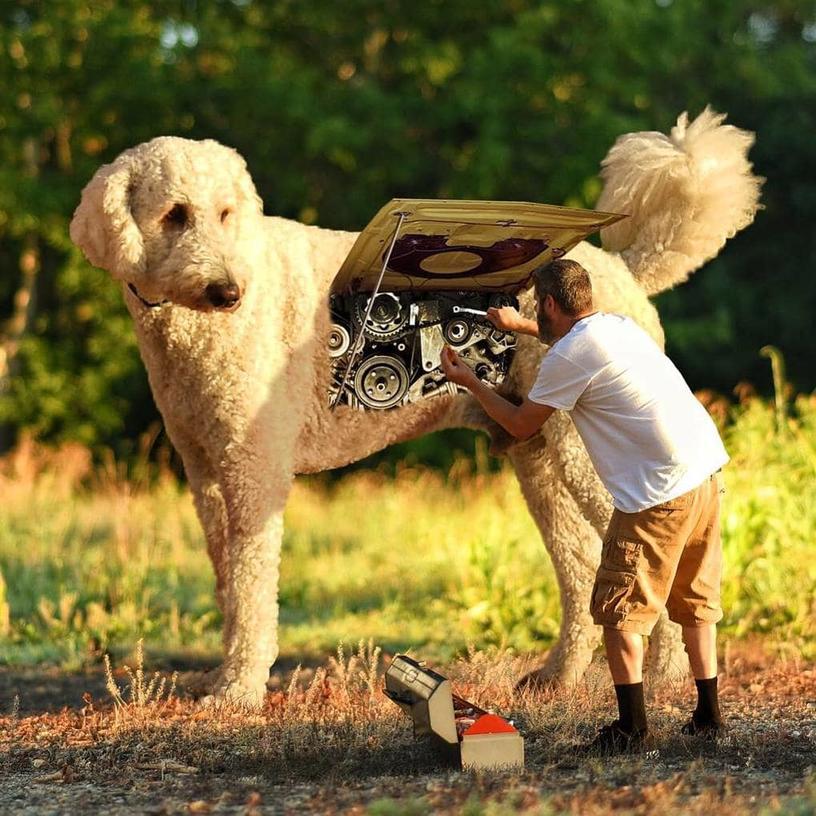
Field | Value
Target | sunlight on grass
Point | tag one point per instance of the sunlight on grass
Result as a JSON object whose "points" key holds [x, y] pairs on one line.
{"points": [[92, 561]]}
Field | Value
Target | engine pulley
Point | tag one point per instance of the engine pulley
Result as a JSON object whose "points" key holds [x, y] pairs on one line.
{"points": [[457, 331], [339, 340], [381, 381], [387, 320]]}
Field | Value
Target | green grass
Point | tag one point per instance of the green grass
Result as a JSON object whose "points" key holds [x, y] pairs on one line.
{"points": [[93, 562], [769, 525]]}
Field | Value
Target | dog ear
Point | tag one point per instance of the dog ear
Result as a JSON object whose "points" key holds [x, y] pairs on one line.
{"points": [[244, 186], [103, 226]]}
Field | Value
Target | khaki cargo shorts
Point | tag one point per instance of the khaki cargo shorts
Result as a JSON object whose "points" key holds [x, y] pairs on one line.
{"points": [[668, 556]]}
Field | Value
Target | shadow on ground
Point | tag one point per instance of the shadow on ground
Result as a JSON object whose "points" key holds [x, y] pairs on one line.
{"points": [[329, 744]]}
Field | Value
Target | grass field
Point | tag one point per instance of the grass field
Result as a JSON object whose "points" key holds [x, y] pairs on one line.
{"points": [[448, 565], [328, 742], [93, 560]]}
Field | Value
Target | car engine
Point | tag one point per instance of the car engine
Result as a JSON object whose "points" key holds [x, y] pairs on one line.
{"points": [[393, 357], [422, 275]]}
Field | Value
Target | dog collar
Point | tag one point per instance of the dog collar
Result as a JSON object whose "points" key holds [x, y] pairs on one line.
{"points": [[146, 303]]}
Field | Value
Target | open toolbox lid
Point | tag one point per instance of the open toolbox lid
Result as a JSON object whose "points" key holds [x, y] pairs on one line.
{"points": [[463, 245], [424, 695], [480, 738]]}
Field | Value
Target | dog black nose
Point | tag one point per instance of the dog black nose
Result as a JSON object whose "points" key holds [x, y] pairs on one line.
{"points": [[223, 295]]}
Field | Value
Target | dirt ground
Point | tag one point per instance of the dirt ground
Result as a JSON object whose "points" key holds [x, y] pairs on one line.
{"points": [[330, 743]]}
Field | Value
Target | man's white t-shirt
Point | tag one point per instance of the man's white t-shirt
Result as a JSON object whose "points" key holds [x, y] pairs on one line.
{"points": [[646, 433]]}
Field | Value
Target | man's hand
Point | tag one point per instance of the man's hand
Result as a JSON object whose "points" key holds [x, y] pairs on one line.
{"points": [[522, 421], [507, 318], [455, 369]]}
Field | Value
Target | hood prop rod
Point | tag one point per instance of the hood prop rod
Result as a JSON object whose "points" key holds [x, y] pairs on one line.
{"points": [[358, 343]]}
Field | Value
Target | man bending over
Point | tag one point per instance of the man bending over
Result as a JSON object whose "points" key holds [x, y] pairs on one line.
{"points": [[658, 452]]}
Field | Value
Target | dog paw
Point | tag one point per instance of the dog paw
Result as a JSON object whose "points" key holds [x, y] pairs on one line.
{"points": [[233, 696], [563, 669], [236, 692]]}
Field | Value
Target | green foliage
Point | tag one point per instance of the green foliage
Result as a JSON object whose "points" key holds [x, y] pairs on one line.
{"points": [[768, 524], [79, 376], [443, 563], [339, 106]]}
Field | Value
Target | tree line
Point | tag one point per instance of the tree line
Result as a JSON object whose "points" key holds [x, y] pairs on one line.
{"points": [[338, 107]]}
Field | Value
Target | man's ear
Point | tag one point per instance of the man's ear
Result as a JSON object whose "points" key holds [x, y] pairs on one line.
{"points": [[103, 226]]}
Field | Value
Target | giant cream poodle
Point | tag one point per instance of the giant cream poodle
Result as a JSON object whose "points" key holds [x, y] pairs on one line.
{"points": [[231, 312]]}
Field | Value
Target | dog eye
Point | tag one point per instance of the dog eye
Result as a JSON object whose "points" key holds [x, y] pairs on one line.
{"points": [[176, 216], [225, 214]]}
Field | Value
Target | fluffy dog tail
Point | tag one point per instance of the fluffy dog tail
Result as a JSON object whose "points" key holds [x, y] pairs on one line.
{"points": [[686, 194]]}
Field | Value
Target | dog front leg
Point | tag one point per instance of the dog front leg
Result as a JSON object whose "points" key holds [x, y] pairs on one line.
{"points": [[210, 507], [255, 503]]}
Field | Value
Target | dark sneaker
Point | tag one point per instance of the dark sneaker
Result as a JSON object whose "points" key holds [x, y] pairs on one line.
{"points": [[705, 730], [612, 739]]}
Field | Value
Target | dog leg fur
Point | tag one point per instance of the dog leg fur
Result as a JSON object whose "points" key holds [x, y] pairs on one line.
{"points": [[250, 581], [574, 548], [212, 512], [666, 659]]}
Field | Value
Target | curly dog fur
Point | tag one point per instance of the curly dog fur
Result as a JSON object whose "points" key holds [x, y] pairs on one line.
{"points": [[235, 351]]}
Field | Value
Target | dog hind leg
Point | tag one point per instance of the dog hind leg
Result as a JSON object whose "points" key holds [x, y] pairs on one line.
{"points": [[574, 548], [666, 659]]}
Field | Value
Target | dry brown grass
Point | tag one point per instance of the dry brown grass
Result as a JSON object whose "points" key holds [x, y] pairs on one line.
{"points": [[329, 741]]}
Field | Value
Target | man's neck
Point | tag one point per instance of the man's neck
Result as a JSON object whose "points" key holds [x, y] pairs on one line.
{"points": [[570, 322], [581, 316]]}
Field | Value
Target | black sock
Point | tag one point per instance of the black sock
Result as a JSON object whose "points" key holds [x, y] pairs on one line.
{"points": [[631, 707], [708, 706]]}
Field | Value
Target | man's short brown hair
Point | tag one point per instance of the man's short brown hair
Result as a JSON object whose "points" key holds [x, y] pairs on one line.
{"points": [[568, 283]]}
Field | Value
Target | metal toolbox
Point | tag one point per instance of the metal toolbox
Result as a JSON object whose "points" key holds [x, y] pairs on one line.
{"points": [[475, 738]]}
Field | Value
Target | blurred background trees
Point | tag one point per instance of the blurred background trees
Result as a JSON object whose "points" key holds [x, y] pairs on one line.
{"points": [[338, 107]]}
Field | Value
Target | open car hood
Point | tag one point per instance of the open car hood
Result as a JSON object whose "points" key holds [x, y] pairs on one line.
{"points": [[463, 245]]}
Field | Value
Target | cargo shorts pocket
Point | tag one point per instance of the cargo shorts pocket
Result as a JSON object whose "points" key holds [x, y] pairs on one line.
{"points": [[614, 586], [611, 596], [621, 554]]}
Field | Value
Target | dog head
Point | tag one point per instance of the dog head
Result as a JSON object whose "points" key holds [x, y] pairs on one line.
{"points": [[173, 218]]}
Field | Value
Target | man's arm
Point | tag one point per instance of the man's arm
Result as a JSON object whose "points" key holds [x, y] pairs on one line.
{"points": [[522, 421], [507, 318]]}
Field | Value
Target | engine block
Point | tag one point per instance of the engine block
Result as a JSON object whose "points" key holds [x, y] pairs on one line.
{"points": [[393, 357]]}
